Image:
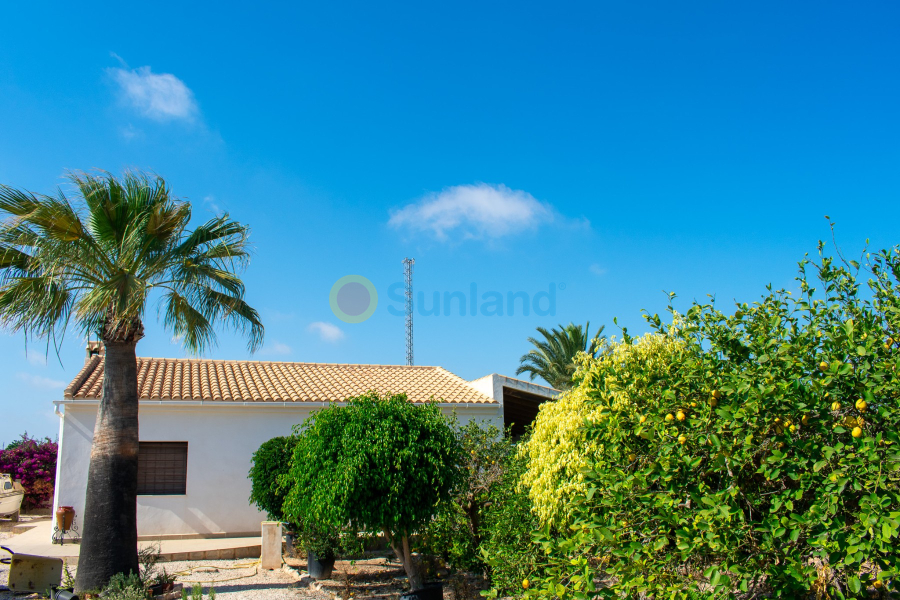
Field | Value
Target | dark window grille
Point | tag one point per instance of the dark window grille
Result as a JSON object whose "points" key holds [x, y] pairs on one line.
{"points": [[162, 468]]}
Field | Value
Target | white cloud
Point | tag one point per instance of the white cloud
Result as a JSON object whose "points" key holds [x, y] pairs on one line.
{"points": [[326, 331], [597, 269], [474, 211], [41, 382], [159, 96], [276, 348], [131, 132], [36, 359], [210, 203]]}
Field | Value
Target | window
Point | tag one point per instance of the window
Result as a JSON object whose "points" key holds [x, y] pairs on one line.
{"points": [[162, 468]]}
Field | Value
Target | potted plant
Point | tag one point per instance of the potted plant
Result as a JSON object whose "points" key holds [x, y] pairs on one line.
{"points": [[322, 544], [163, 584]]}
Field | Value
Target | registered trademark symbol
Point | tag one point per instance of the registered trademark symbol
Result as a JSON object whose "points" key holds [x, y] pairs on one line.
{"points": [[562, 286]]}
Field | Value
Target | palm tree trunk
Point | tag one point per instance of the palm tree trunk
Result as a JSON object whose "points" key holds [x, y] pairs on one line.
{"points": [[109, 545]]}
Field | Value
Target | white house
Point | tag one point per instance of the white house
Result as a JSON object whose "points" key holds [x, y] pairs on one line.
{"points": [[201, 421]]}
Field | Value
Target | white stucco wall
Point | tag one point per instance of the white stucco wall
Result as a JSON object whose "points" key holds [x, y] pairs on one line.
{"points": [[221, 440]]}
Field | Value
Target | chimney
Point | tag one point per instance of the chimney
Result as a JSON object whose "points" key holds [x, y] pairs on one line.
{"points": [[93, 349]]}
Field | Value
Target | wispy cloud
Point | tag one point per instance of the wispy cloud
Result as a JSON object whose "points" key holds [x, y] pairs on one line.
{"points": [[36, 358], [131, 132], [210, 203], [479, 211], [275, 348], [41, 382], [276, 316], [326, 331], [158, 96], [597, 269]]}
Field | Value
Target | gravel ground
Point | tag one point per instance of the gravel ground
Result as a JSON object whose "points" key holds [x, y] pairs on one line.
{"points": [[232, 579]]}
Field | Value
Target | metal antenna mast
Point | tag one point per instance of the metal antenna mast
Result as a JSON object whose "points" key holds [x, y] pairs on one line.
{"points": [[407, 276]]}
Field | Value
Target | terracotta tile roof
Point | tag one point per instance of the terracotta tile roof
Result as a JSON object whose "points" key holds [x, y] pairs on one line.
{"points": [[255, 381]]}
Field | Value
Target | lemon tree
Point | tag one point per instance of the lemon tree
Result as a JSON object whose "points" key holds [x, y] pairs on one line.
{"points": [[759, 453]]}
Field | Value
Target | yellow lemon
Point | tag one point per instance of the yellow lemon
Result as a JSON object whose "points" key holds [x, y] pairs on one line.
{"points": [[670, 417], [525, 584], [823, 366], [860, 421], [835, 406], [694, 404], [877, 583], [681, 439], [777, 419], [805, 420], [680, 416], [861, 405], [716, 394], [849, 421], [857, 432], [632, 457], [793, 428], [642, 419], [713, 402]]}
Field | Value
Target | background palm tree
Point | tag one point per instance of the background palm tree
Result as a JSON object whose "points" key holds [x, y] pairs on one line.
{"points": [[94, 264], [553, 358]]}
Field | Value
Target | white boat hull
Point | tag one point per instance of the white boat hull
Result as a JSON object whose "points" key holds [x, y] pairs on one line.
{"points": [[10, 502]]}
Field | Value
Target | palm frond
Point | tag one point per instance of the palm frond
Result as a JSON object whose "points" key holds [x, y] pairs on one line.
{"points": [[99, 261], [553, 357]]}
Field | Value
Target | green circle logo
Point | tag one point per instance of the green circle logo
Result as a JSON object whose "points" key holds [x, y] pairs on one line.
{"points": [[353, 299]]}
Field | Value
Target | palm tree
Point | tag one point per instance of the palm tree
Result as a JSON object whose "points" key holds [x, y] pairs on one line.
{"points": [[553, 358], [94, 264]]}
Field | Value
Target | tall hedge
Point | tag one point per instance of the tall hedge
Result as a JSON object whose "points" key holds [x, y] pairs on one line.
{"points": [[762, 457]]}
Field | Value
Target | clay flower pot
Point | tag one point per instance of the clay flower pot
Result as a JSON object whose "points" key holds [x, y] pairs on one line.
{"points": [[65, 515]]}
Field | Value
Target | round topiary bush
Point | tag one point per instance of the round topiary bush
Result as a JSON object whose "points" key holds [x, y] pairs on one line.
{"points": [[270, 463], [376, 464]]}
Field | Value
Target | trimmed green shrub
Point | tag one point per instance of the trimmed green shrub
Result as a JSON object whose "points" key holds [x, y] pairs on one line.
{"points": [[377, 464], [271, 462], [762, 457]]}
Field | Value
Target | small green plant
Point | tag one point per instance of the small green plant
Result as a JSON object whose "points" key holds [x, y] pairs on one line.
{"points": [[68, 581], [122, 587], [148, 557], [163, 577], [197, 592], [212, 593]]}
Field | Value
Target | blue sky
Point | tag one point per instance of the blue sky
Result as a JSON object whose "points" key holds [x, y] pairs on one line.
{"points": [[612, 150]]}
